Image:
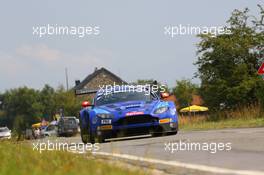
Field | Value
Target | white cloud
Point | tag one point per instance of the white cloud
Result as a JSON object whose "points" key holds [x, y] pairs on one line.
{"points": [[10, 65], [35, 65], [39, 52]]}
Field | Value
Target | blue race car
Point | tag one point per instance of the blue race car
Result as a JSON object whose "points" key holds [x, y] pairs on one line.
{"points": [[129, 113]]}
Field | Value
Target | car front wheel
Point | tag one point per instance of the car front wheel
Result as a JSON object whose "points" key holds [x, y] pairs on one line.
{"points": [[86, 135]]}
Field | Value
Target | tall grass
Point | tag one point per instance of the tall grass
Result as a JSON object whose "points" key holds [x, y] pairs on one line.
{"points": [[186, 119], [246, 116], [244, 112], [19, 158]]}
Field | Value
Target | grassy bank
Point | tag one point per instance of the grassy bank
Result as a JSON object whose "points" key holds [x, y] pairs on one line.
{"points": [[227, 123], [250, 116], [20, 159]]}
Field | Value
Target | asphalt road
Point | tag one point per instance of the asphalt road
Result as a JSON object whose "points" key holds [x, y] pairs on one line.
{"points": [[244, 153]]}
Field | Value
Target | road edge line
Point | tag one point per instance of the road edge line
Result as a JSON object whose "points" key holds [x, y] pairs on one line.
{"points": [[205, 168]]}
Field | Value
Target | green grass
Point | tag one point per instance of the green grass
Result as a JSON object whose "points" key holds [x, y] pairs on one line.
{"points": [[19, 159], [240, 117], [227, 123]]}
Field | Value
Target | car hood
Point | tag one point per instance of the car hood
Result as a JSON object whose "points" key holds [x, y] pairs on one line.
{"points": [[123, 108]]}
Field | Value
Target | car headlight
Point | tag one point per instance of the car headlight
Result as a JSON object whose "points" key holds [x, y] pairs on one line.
{"points": [[103, 116], [161, 110]]}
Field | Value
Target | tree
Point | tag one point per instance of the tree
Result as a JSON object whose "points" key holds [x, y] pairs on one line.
{"points": [[47, 100], [21, 102], [184, 90], [24, 106], [67, 101], [228, 63]]}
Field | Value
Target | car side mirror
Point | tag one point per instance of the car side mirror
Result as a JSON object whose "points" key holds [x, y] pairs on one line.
{"points": [[164, 95], [86, 104]]}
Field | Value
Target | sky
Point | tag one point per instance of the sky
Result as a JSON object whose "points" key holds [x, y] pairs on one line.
{"points": [[132, 42]]}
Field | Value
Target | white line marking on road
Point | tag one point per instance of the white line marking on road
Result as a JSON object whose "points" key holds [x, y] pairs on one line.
{"points": [[206, 168]]}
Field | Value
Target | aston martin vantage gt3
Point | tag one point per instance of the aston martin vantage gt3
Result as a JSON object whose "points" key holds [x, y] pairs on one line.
{"points": [[127, 113]]}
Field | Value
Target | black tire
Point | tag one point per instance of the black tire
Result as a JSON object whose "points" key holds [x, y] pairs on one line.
{"points": [[171, 133], [86, 134], [101, 139], [156, 134]]}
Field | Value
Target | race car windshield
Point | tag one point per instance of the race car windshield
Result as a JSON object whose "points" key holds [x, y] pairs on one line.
{"points": [[121, 97]]}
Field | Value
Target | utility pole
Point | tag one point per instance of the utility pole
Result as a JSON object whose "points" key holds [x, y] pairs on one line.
{"points": [[67, 81]]}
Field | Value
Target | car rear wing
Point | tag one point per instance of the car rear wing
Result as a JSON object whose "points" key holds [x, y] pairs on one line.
{"points": [[85, 91]]}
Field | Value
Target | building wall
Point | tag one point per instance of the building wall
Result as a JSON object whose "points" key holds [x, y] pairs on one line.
{"points": [[101, 79]]}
